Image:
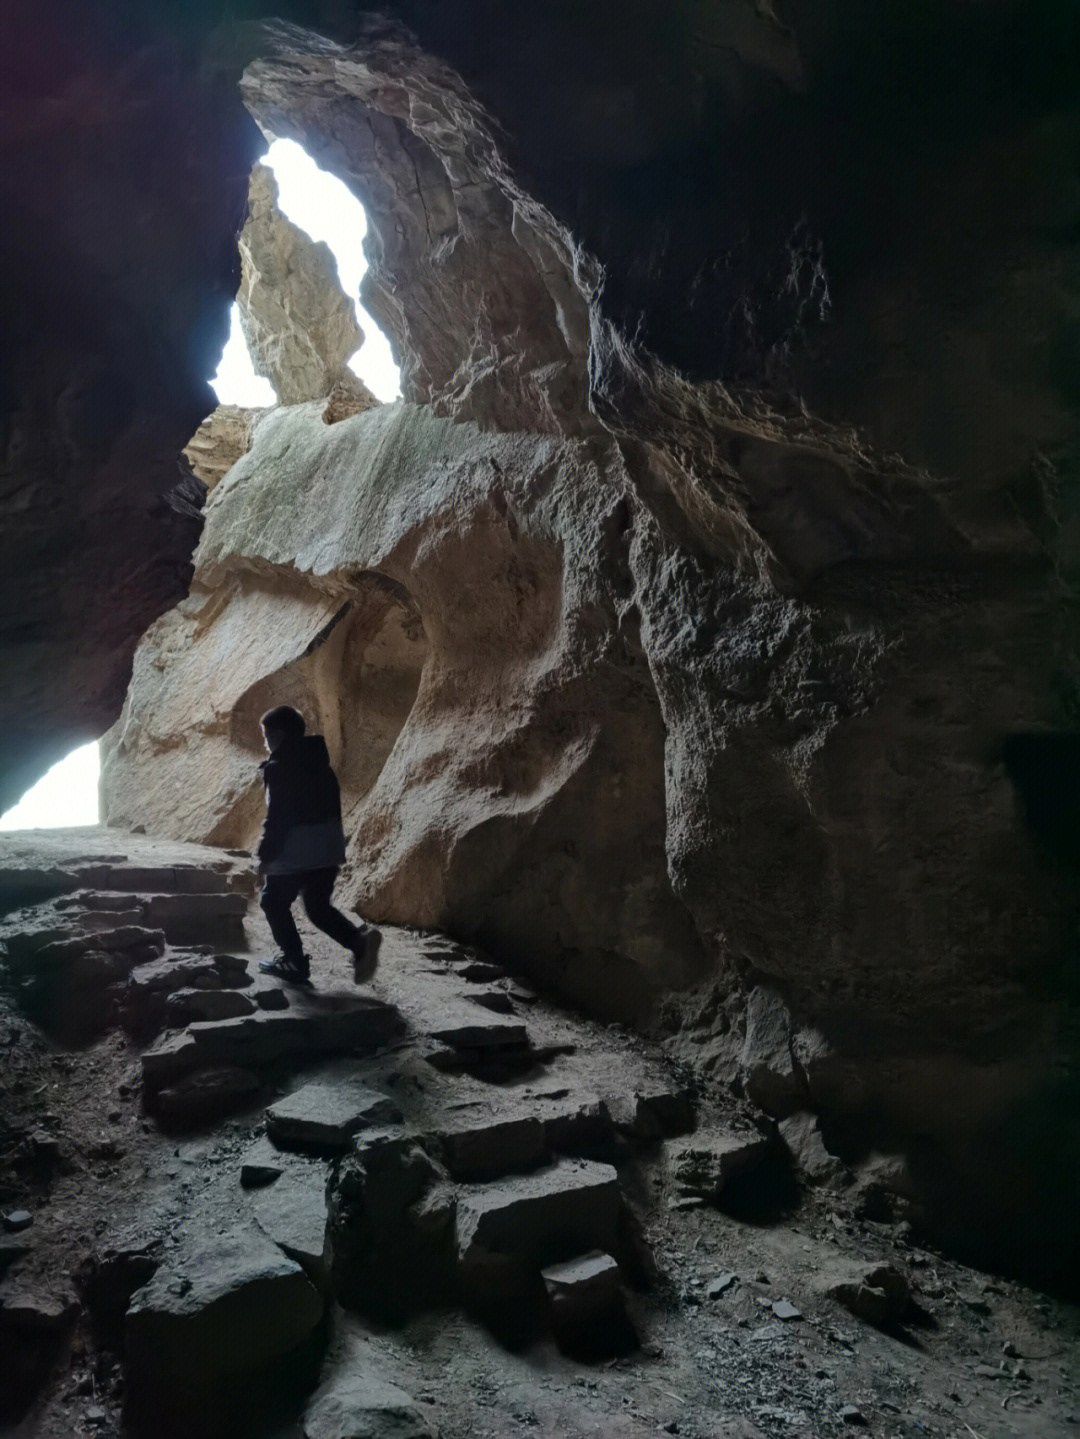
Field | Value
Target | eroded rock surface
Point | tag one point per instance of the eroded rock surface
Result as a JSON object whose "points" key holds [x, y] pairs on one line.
{"points": [[633, 774], [299, 324]]}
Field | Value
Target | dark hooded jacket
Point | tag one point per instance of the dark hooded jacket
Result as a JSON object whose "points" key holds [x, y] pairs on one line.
{"points": [[303, 807]]}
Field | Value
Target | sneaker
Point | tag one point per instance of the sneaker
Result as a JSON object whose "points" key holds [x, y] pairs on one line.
{"points": [[283, 969], [365, 953]]}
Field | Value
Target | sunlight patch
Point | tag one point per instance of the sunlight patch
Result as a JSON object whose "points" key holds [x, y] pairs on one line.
{"points": [[325, 209], [64, 797]]}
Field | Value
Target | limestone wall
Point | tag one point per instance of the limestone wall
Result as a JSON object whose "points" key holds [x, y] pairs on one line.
{"points": [[644, 775]]}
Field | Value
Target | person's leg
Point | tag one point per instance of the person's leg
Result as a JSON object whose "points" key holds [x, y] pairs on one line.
{"points": [[278, 896], [316, 889]]}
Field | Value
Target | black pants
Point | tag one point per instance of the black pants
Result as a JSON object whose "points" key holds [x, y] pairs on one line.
{"points": [[314, 885]]}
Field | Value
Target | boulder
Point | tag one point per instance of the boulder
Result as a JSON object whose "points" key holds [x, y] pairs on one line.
{"points": [[800, 1135], [212, 1324]]}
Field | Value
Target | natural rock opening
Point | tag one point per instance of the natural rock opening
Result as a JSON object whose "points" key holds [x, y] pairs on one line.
{"points": [[697, 634]]}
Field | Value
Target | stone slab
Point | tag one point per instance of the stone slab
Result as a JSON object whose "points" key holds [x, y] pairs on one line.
{"points": [[565, 1209], [261, 1164], [331, 1023], [190, 1006], [328, 1115], [292, 1213], [204, 1094], [464, 1026], [704, 1164], [484, 1144], [582, 1279]]}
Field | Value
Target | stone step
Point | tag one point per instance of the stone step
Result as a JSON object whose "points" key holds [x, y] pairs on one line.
{"points": [[222, 876], [585, 1299], [568, 1208], [706, 1163], [330, 1023], [185, 918], [486, 1145], [463, 1026], [328, 1116], [205, 1094], [194, 1006], [144, 1000], [292, 1212], [28, 885], [481, 1140]]}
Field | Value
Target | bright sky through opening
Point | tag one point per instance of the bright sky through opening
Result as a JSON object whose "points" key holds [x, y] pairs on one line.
{"points": [[65, 796], [323, 207], [327, 210]]}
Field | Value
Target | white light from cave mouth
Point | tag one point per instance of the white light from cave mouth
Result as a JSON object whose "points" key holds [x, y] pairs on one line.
{"points": [[64, 797], [327, 210]]}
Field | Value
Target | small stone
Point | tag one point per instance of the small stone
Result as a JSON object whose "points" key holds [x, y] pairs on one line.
{"points": [[784, 1309], [876, 1292], [261, 1165], [16, 1219], [720, 1285], [987, 1371], [851, 1415], [271, 999], [96, 1415], [1010, 1350], [975, 1302]]}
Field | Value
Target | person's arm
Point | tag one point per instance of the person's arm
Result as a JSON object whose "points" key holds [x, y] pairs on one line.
{"points": [[276, 825]]}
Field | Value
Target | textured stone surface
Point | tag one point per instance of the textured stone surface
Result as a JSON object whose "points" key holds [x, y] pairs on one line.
{"points": [[877, 1293], [707, 1163], [462, 621], [219, 442], [783, 694], [299, 325], [353, 1402], [328, 1115], [566, 1209], [235, 1306]]}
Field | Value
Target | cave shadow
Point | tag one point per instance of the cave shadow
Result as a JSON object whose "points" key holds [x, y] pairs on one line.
{"points": [[767, 1195]]}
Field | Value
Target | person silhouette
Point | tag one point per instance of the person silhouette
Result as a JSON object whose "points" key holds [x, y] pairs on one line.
{"points": [[302, 846]]}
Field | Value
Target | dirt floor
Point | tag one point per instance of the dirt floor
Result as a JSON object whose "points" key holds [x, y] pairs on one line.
{"points": [[986, 1356]]}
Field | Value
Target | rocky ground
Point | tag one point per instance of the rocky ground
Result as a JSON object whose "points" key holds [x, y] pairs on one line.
{"points": [[177, 1139]]}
